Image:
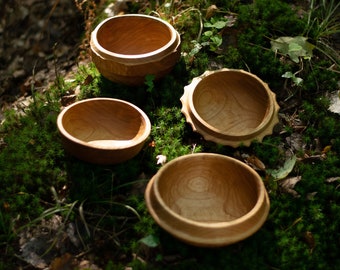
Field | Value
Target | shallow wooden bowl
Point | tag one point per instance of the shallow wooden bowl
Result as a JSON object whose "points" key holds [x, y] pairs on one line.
{"points": [[230, 107], [126, 48], [103, 130], [208, 200]]}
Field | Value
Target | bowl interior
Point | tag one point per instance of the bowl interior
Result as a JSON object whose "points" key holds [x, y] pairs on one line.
{"points": [[231, 102], [208, 189], [104, 120], [131, 35]]}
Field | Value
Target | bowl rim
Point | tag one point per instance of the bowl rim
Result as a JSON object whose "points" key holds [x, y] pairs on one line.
{"points": [[262, 194], [269, 114], [135, 142], [168, 47]]}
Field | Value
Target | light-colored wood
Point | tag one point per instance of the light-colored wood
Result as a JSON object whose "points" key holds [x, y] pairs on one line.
{"points": [[110, 143], [207, 199], [126, 48], [103, 130], [230, 107]]}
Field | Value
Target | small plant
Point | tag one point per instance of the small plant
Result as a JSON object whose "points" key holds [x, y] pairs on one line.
{"points": [[296, 80], [212, 37], [295, 47], [322, 24]]}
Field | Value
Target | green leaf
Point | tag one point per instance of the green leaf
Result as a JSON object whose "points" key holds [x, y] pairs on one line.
{"points": [[294, 47], [288, 75], [297, 80], [217, 24], [216, 40], [220, 24], [208, 25], [283, 172], [150, 241], [208, 33]]}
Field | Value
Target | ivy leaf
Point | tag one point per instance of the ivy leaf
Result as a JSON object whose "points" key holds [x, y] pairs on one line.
{"points": [[220, 24], [294, 47], [208, 25], [196, 49], [217, 24], [216, 40], [283, 172], [208, 33], [288, 75], [151, 241], [297, 80], [295, 51]]}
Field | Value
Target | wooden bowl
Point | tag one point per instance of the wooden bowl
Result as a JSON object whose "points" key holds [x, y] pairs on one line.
{"points": [[126, 48], [208, 200], [103, 130], [230, 107]]}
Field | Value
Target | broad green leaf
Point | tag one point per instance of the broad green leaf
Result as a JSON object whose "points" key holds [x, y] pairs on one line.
{"points": [[297, 80], [294, 47], [208, 25], [280, 44], [295, 51], [150, 241], [208, 33], [220, 24], [217, 24], [216, 40], [283, 172], [288, 75]]}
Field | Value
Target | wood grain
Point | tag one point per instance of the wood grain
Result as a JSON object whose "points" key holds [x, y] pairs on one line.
{"points": [[126, 48], [230, 107], [103, 130], [208, 199], [133, 35]]}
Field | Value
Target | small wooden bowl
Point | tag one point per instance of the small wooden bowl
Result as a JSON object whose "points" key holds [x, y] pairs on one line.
{"points": [[230, 107], [208, 200], [103, 130], [126, 48]]}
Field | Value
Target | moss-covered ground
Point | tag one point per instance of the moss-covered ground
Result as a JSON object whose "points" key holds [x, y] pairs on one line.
{"points": [[105, 204]]}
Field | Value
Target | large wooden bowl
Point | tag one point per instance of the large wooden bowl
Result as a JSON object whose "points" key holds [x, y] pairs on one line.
{"points": [[230, 107], [103, 130], [207, 200], [126, 48]]}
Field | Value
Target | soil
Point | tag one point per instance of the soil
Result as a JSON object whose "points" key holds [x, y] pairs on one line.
{"points": [[39, 40]]}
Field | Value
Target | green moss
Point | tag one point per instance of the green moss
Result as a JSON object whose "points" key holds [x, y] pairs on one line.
{"points": [[300, 233], [268, 151], [31, 160]]}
